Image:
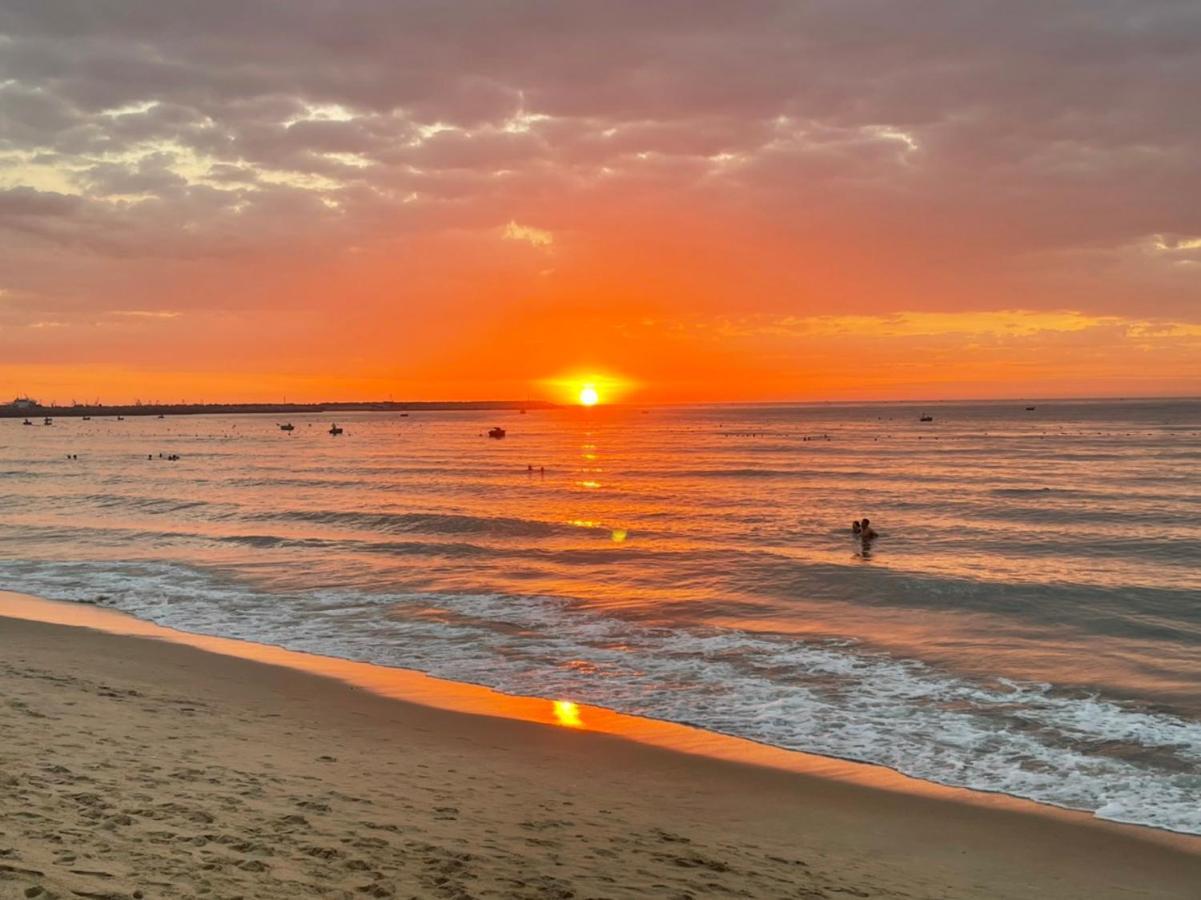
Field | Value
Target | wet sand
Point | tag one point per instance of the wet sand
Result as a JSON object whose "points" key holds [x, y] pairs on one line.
{"points": [[133, 767]]}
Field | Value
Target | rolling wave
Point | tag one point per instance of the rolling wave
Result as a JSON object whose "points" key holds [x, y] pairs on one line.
{"points": [[426, 523]]}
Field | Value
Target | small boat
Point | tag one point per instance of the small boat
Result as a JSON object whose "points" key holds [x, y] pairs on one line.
{"points": [[87, 418], [1029, 409], [926, 419], [26, 422], [496, 432], [47, 421], [335, 430], [287, 427], [160, 415], [120, 418]]}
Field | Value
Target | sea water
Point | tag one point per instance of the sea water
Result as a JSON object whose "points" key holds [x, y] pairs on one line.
{"points": [[1028, 620]]}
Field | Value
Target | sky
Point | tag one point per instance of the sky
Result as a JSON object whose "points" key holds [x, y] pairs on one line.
{"points": [[679, 201]]}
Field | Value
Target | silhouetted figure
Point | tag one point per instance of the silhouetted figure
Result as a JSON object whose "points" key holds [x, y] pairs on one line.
{"points": [[856, 527], [866, 532]]}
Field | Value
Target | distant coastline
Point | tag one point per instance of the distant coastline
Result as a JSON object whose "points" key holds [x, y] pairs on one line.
{"points": [[10, 411], [23, 407]]}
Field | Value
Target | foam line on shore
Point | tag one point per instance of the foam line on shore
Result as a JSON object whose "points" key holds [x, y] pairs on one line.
{"points": [[415, 687]]}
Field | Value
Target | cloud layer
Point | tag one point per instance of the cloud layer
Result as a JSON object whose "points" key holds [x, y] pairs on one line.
{"points": [[193, 174]]}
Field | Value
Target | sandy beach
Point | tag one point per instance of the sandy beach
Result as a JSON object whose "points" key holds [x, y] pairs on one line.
{"points": [[133, 767]]}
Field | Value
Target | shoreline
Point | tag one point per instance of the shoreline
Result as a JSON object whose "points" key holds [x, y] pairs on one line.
{"points": [[739, 808], [422, 689]]}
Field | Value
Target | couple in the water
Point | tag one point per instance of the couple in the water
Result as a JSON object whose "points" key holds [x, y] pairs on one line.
{"points": [[863, 529]]}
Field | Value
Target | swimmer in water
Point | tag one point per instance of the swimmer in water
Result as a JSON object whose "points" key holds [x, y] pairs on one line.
{"points": [[856, 528], [865, 530]]}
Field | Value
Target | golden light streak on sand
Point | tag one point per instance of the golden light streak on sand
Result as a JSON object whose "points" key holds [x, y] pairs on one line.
{"points": [[567, 714]]}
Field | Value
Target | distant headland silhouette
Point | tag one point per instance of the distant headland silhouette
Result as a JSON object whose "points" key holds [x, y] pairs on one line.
{"points": [[24, 406]]}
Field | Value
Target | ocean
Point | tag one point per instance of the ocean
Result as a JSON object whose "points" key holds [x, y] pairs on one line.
{"points": [[1028, 620]]}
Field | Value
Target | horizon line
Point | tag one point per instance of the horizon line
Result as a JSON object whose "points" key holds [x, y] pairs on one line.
{"points": [[318, 405]]}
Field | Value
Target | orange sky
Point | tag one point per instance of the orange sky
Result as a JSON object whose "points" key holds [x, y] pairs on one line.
{"points": [[693, 201]]}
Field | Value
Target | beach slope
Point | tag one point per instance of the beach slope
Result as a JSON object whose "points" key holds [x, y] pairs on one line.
{"points": [[132, 767]]}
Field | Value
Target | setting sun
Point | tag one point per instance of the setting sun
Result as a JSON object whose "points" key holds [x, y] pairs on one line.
{"points": [[588, 387]]}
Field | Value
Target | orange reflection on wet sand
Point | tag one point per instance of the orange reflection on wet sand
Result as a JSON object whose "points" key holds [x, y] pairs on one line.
{"points": [[567, 714]]}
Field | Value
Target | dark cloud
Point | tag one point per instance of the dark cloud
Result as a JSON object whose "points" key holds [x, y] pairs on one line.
{"points": [[27, 203]]}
